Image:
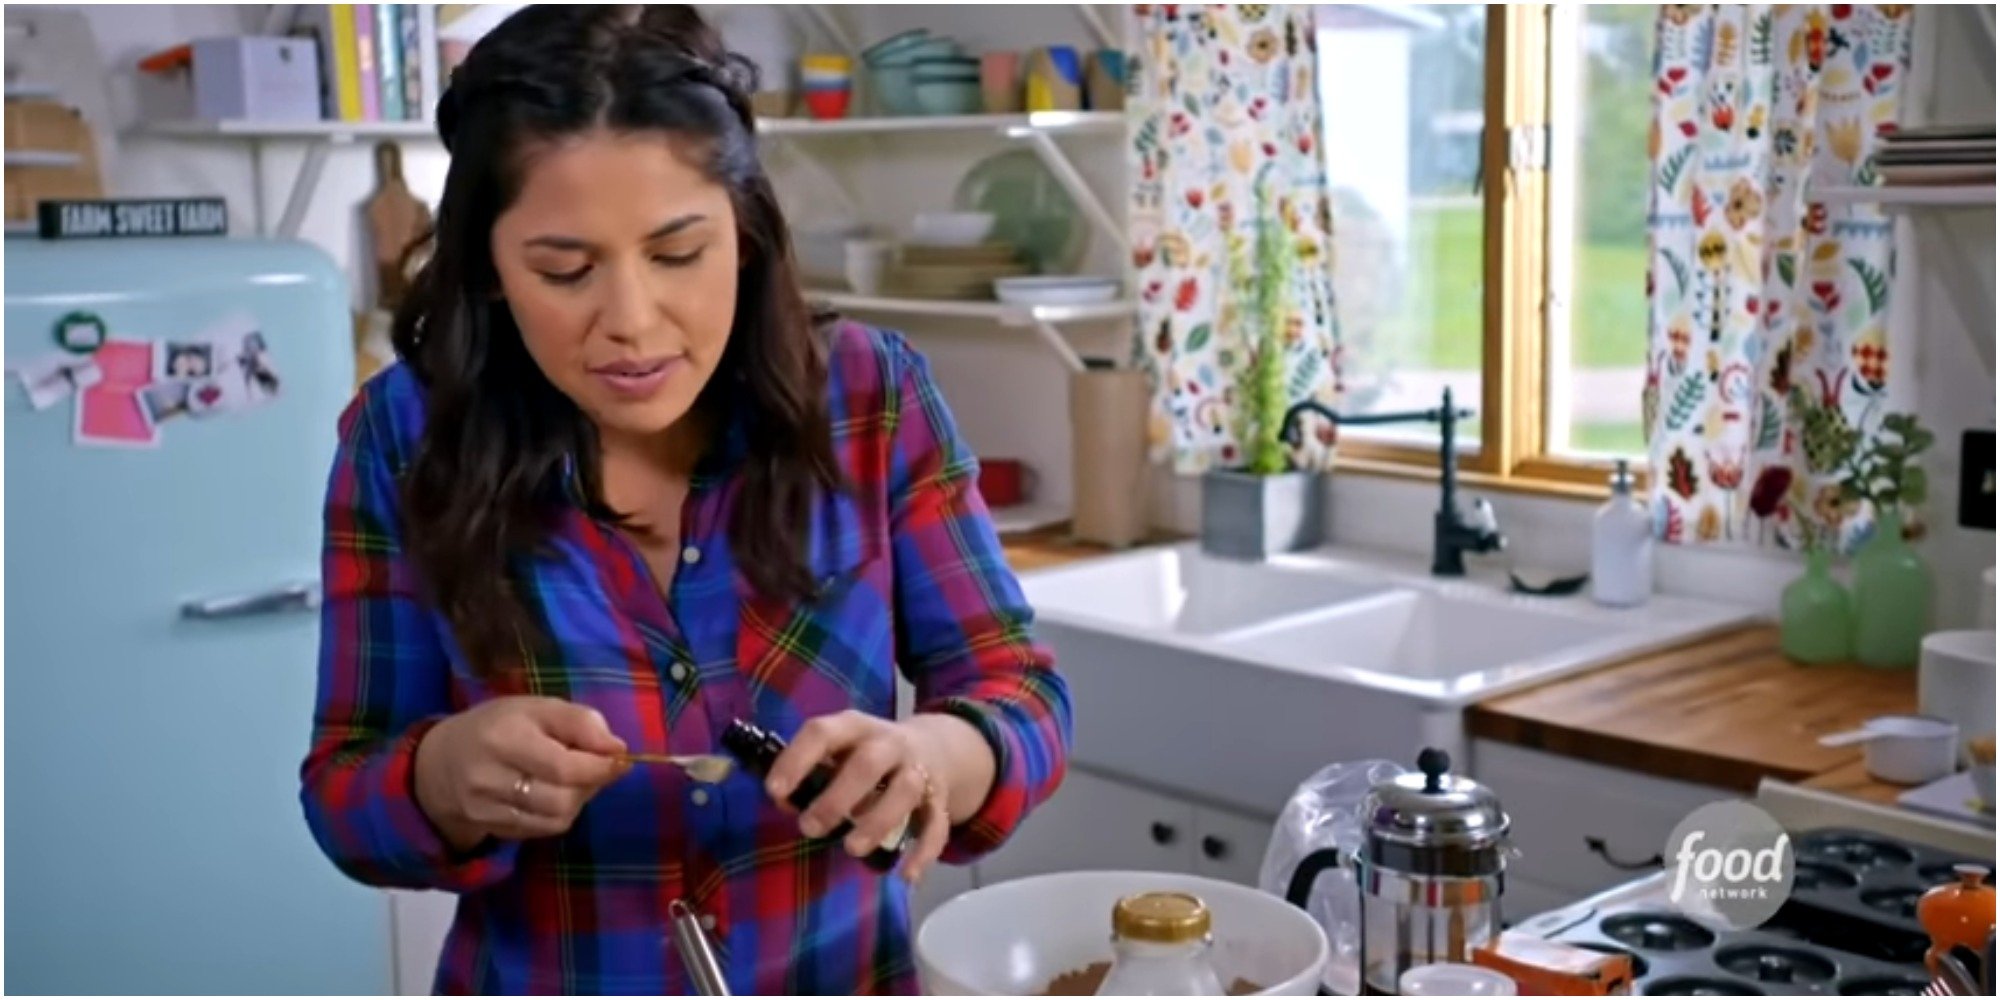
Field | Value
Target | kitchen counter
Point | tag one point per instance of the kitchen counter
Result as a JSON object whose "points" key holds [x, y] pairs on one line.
{"points": [[1051, 547], [1727, 711]]}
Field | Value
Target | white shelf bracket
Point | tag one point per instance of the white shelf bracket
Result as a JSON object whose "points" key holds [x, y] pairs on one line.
{"points": [[1098, 29], [822, 15], [311, 168], [1969, 297], [1054, 339], [1072, 181], [797, 152]]}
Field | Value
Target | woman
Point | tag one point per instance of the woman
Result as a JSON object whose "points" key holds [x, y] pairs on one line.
{"points": [[620, 490]]}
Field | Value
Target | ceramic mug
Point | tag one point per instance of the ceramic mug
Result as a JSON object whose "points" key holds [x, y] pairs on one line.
{"points": [[867, 264], [1004, 482], [1000, 82], [1054, 79]]}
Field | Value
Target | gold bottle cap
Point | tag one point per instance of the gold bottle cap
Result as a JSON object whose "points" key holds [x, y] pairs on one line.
{"points": [[1161, 918]]}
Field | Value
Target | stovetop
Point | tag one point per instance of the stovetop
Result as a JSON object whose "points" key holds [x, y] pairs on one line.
{"points": [[1849, 927]]}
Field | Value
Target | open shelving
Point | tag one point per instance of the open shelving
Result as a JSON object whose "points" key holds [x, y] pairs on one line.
{"points": [[42, 158], [1044, 320], [1912, 204], [1892, 198], [320, 138]]}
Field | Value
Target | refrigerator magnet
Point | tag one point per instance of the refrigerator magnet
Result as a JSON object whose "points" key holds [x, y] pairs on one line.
{"points": [[50, 378], [112, 412], [81, 332]]}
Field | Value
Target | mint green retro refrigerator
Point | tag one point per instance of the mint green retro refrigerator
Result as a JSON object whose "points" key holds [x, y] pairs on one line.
{"points": [[170, 417]]}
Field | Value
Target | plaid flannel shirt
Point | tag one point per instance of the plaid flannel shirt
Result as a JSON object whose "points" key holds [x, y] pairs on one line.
{"points": [[913, 580]]}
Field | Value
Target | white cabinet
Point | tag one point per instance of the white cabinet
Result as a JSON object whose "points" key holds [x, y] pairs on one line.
{"points": [[1229, 846], [1580, 827], [418, 922], [1095, 822]]}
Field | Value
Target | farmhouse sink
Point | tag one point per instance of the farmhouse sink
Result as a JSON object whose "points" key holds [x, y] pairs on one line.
{"points": [[1231, 682], [1418, 633], [1368, 619], [1183, 591]]}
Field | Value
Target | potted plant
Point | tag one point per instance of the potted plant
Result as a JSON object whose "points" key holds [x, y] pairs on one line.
{"points": [[1892, 585], [1264, 506]]}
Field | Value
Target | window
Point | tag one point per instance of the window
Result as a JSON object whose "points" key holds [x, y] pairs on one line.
{"points": [[1489, 177]]}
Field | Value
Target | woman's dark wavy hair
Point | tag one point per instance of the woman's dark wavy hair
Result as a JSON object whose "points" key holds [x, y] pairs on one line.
{"points": [[486, 481]]}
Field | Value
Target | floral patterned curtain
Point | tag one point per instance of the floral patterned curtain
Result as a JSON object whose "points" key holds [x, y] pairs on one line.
{"points": [[1767, 309], [1225, 111]]}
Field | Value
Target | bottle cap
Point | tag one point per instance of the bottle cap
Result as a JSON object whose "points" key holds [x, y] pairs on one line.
{"points": [[1621, 476], [1161, 918]]}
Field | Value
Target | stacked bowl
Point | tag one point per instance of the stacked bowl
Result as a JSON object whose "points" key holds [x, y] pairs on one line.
{"points": [[892, 65], [947, 85], [829, 85]]}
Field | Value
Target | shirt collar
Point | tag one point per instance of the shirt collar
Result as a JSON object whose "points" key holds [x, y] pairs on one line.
{"points": [[714, 468]]}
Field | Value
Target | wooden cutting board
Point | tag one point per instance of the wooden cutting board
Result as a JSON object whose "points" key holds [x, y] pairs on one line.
{"points": [[1727, 711], [397, 221]]}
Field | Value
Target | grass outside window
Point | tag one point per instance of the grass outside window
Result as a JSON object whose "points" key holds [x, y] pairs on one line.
{"points": [[1469, 258]]}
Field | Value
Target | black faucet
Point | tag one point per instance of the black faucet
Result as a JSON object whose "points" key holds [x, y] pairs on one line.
{"points": [[1452, 536]]}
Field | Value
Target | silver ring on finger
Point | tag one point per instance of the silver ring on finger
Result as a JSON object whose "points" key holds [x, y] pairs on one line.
{"points": [[523, 785]]}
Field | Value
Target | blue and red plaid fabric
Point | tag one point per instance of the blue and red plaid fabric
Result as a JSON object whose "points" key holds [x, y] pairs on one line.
{"points": [[913, 580]]}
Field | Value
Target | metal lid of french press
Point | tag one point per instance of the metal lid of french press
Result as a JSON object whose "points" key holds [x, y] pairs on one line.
{"points": [[1433, 823]]}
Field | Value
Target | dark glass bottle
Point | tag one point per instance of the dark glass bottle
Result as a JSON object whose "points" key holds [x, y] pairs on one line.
{"points": [[757, 749]]}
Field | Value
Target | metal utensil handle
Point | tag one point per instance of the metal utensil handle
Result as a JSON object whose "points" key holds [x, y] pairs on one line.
{"points": [[280, 600], [696, 953]]}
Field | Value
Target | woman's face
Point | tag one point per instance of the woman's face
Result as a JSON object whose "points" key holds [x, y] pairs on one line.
{"points": [[619, 261]]}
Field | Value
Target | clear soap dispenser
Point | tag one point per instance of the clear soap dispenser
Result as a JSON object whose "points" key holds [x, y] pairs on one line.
{"points": [[1621, 546]]}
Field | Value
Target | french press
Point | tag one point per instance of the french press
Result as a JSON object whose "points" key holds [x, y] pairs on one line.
{"points": [[1429, 871]]}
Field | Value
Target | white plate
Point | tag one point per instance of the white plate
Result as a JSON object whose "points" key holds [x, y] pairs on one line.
{"points": [[1055, 291]]}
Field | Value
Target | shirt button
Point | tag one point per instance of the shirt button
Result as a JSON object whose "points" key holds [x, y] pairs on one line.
{"points": [[708, 921], [691, 555], [679, 672], [700, 796]]}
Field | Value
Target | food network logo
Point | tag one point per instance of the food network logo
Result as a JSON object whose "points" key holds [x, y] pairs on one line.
{"points": [[1731, 863]]}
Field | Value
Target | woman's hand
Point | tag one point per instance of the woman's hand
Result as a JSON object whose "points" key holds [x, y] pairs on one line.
{"points": [[887, 773], [514, 768]]}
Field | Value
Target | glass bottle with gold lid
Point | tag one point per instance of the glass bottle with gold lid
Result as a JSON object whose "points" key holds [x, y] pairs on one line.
{"points": [[1160, 947]]}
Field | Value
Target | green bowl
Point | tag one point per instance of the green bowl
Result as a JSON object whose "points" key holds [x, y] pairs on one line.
{"points": [[893, 91], [890, 47], [948, 97]]}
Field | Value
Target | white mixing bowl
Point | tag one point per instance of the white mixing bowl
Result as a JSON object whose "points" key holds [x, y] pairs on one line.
{"points": [[1012, 938]]}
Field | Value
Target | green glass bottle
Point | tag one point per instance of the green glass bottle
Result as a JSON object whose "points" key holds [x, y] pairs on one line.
{"points": [[1892, 597], [1816, 619]]}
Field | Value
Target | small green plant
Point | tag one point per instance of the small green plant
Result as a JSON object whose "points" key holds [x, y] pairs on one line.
{"points": [[1883, 469], [1263, 389]]}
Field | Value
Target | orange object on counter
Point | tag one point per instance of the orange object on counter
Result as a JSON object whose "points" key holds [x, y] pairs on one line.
{"points": [[1957, 913], [167, 60], [1554, 969]]}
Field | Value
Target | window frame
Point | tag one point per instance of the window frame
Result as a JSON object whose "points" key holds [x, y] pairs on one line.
{"points": [[1513, 454]]}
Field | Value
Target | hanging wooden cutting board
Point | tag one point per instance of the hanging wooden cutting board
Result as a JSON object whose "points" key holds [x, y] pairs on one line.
{"points": [[396, 220]]}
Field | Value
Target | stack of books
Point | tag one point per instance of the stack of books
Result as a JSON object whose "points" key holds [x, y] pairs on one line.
{"points": [[391, 61], [1936, 155]]}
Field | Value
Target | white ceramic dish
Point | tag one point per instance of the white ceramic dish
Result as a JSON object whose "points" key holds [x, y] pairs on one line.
{"points": [[1955, 678], [1055, 291], [951, 229], [1905, 749], [1013, 938], [1982, 784]]}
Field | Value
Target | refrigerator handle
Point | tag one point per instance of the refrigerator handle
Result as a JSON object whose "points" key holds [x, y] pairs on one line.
{"points": [[302, 596]]}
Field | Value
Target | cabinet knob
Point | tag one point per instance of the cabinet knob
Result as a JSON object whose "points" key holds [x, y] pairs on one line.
{"points": [[1164, 834], [1214, 848]]}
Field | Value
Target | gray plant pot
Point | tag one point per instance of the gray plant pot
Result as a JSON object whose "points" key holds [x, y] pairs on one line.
{"points": [[1247, 516]]}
